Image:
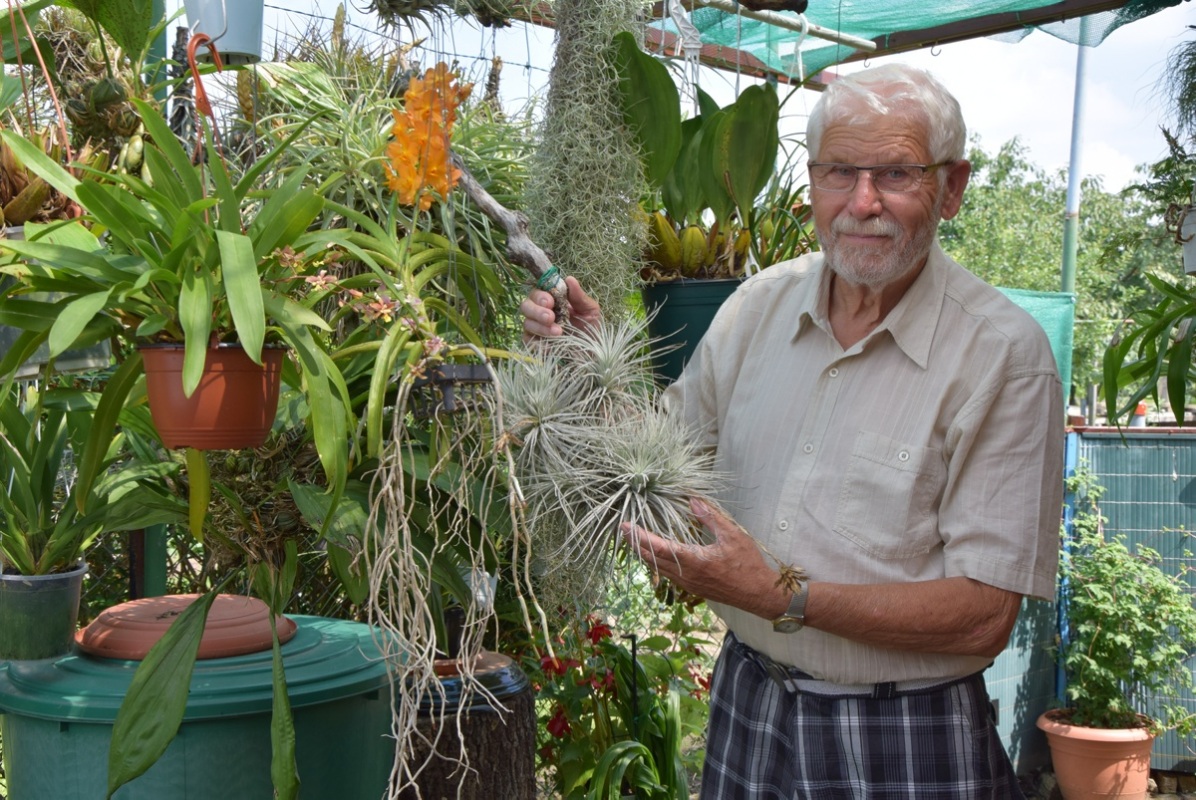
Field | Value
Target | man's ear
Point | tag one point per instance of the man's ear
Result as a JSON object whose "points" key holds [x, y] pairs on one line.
{"points": [[958, 173]]}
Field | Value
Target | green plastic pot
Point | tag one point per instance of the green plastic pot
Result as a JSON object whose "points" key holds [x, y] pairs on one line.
{"points": [[683, 311], [38, 614]]}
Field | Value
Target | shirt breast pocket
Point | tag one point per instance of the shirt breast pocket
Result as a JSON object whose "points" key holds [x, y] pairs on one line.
{"points": [[889, 498]]}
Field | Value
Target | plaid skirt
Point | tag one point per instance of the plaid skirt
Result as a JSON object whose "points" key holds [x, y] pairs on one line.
{"points": [[768, 742]]}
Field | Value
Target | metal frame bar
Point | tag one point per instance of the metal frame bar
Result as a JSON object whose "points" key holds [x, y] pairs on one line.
{"points": [[791, 23]]}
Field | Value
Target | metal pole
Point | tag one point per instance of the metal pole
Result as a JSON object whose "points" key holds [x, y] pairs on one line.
{"points": [[1071, 219], [791, 23]]}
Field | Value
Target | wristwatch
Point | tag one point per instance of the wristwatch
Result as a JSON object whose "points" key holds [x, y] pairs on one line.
{"points": [[794, 618]]}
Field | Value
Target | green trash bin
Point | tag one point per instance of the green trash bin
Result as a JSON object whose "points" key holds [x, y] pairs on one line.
{"points": [[56, 721]]}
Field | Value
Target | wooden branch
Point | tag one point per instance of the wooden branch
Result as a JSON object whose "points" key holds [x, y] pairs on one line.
{"points": [[521, 250]]}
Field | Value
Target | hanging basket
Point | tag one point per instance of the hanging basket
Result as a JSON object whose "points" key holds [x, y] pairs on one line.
{"points": [[232, 408], [234, 25]]}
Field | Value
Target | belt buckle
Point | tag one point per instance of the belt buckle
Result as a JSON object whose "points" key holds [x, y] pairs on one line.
{"points": [[779, 673]]}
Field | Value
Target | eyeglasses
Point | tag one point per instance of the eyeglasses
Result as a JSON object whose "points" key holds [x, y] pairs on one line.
{"points": [[887, 178]]}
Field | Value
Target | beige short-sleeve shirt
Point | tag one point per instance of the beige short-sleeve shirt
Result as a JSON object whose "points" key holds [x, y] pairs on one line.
{"points": [[933, 448]]}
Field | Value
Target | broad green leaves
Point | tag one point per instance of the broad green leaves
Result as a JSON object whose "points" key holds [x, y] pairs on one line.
{"points": [[719, 160], [128, 22], [651, 106], [152, 711]]}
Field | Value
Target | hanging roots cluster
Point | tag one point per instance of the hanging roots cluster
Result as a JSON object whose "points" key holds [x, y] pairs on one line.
{"points": [[429, 511], [584, 186], [593, 451]]}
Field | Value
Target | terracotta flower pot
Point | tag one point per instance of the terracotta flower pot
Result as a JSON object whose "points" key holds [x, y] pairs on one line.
{"points": [[1098, 762], [233, 407]]}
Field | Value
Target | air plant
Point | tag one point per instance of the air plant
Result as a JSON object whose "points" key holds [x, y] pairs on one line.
{"points": [[594, 450]]}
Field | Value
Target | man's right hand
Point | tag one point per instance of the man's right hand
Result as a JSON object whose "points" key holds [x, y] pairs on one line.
{"points": [[539, 311]]}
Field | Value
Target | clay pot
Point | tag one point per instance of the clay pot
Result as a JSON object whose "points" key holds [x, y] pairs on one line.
{"points": [[232, 408], [1098, 762]]}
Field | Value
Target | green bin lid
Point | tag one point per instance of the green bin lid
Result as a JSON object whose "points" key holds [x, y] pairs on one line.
{"points": [[327, 660]]}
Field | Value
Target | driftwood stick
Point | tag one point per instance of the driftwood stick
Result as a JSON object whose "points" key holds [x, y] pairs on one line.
{"points": [[521, 249]]}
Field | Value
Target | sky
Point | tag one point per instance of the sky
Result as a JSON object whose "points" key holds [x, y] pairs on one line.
{"points": [[1024, 89]]}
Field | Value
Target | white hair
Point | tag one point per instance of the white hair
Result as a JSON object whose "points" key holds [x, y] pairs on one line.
{"points": [[892, 90]]}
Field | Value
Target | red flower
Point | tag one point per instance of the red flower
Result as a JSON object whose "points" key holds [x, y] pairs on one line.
{"points": [[597, 632], [551, 665], [558, 726]]}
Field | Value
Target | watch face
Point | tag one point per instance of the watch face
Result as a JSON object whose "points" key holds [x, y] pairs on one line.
{"points": [[787, 625]]}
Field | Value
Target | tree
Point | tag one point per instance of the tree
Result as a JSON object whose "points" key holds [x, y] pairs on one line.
{"points": [[1010, 233]]}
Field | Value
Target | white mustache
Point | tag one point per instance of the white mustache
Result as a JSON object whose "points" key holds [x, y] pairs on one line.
{"points": [[870, 227]]}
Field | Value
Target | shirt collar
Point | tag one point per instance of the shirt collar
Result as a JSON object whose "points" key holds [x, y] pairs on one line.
{"points": [[911, 323]]}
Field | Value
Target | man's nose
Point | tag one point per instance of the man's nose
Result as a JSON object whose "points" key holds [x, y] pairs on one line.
{"points": [[865, 197]]}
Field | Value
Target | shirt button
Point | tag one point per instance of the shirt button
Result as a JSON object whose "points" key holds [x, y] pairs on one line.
{"points": [[903, 455], [834, 372], [809, 448], [783, 525]]}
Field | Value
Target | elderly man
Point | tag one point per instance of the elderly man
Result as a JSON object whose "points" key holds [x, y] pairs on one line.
{"points": [[892, 425]]}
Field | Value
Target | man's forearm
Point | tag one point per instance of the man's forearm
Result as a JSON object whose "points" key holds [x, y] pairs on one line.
{"points": [[951, 615]]}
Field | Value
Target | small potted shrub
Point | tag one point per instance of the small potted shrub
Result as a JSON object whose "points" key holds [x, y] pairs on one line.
{"points": [[1130, 627]]}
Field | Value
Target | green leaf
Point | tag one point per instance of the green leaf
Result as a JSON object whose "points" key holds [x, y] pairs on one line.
{"points": [[10, 90], [152, 711], [287, 213], [748, 155], [195, 316], [74, 318], [714, 149], [345, 528], [128, 22], [1179, 364], [651, 106], [243, 287], [684, 193], [22, 51], [199, 476], [40, 164], [170, 147], [103, 427], [284, 770], [385, 360]]}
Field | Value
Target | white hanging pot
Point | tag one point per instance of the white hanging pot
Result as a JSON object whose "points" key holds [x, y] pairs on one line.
{"points": [[234, 25], [1187, 238]]}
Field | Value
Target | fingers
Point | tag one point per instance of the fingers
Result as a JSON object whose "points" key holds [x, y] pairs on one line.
{"points": [[584, 310], [665, 558], [539, 316]]}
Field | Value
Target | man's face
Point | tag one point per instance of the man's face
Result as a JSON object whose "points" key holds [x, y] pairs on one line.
{"points": [[872, 238]]}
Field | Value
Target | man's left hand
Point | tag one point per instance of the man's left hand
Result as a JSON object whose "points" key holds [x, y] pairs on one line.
{"points": [[730, 570]]}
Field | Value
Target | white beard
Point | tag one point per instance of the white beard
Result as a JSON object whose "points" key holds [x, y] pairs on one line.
{"points": [[871, 266]]}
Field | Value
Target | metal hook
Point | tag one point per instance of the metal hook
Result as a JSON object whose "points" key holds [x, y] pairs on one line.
{"points": [[935, 49]]}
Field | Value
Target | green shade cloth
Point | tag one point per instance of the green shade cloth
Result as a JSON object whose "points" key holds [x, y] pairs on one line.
{"points": [[1056, 313], [777, 47]]}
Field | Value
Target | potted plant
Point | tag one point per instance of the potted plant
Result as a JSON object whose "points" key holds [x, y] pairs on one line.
{"points": [[1129, 629], [718, 207], [1155, 343], [191, 259], [47, 520]]}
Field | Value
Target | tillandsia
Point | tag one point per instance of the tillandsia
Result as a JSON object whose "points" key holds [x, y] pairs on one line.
{"points": [[595, 454]]}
